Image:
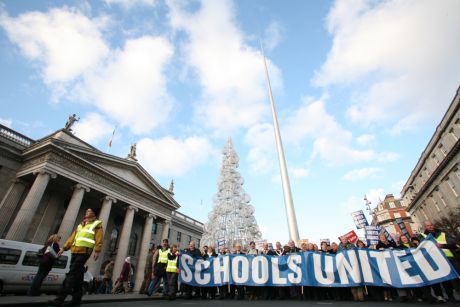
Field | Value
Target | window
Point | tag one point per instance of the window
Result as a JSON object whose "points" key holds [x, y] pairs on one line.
{"points": [[452, 132], [392, 204], [397, 215], [424, 214], [9, 255], [451, 185], [435, 159], [179, 236], [154, 229], [169, 232], [457, 172], [30, 259], [443, 201], [113, 240], [189, 239], [61, 262], [442, 149], [435, 202], [132, 245]]}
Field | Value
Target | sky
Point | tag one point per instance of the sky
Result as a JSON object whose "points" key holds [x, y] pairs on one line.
{"points": [[360, 87]]}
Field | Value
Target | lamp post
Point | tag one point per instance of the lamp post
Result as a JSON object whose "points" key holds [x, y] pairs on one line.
{"points": [[368, 203]]}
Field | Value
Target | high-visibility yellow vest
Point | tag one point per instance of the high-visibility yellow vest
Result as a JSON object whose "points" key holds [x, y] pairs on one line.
{"points": [[85, 236], [406, 245], [172, 266], [441, 239], [163, 256]]}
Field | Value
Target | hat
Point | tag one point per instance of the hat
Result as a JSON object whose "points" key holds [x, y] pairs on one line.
{"points": [[128, 259]]}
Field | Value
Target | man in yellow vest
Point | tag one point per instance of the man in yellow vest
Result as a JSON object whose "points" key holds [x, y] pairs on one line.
{"points": [[85, 240], [172, 271], [159, 270], [447, 245]]}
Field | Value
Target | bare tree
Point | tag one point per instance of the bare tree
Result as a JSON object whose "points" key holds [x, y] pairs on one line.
{"points": [[450, 224]]}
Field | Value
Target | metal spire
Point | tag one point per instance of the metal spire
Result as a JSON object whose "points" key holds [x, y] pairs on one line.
{"points": [[290, 212]]}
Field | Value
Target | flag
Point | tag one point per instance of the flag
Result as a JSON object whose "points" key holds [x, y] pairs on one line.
{"points": [[111, 139]]}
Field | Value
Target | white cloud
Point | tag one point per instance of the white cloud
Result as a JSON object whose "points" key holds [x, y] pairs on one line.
{"points": [[128, 85], [272, 36], [173, 157], [332, 142], [127, 4], [354, 203], [401, 66], [230, 72], [365, 139], [262, 152], [6, 122], [65, 42], [93, 128], [362, 173], [131, 88], [298, 172]]}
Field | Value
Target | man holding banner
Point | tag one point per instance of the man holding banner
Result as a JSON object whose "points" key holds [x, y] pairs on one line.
{"points": [[447, 245]]}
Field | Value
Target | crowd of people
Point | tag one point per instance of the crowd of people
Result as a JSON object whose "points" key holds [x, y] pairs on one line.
{"points": [[165, 257], [162, 268]]}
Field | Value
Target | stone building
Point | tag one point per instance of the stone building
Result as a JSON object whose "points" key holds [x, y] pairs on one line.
{"points": [[433, 188], [46, 185], [386, 213]]}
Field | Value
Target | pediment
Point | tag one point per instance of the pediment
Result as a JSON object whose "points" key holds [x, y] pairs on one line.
{"points": [[125, 170]]}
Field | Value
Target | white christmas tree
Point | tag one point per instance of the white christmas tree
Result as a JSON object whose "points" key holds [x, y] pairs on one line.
{"points": [[232, 219]]}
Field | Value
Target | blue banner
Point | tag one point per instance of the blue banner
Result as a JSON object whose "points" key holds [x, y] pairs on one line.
{"points": [[422, 266]]}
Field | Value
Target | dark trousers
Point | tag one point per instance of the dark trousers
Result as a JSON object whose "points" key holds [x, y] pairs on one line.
{"points": [[73, 281], [172, 284], [42, 272], [155, 283]]}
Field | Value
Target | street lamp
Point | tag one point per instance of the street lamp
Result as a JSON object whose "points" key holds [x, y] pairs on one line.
{"points": [[367, 203]]}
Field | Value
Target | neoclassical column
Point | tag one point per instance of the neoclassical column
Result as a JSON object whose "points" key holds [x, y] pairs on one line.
{"points": [[11, 201], [68, 221], [18, 229], [144, 252], [95, 266], [124, 241], [164, 232]]}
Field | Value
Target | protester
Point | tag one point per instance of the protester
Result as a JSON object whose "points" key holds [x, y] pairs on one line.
{"points": [[239, 289], [106, 285], [123, 279], [87, 239], [46, 261], [148, 270], [194, 253], [172, 270], [383, 244], [209, 292], [447, 244], [159, 270]]}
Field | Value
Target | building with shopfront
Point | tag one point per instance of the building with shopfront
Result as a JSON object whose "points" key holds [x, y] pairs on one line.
{"points": [[46, 185], [433, 188]]}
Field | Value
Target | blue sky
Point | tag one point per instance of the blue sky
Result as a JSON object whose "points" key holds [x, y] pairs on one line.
{"points": [[360, 87]]}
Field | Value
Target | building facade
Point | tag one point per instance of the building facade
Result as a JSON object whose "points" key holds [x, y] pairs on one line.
{"points": [[46, 186], [433, 188], [386, 213]]}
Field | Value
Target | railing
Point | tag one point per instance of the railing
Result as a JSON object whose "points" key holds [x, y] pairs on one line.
{"points": [[15, 136], [188, 219]]}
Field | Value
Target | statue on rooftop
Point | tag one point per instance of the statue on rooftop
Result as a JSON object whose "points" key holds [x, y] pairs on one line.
{"points": [[132, 152], [171, 186], [72, 119]]}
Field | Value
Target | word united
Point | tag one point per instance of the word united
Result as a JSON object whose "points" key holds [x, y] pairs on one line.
{"points": [[424, 265]]}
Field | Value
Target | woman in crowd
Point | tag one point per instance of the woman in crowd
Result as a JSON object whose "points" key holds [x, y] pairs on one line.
{"points": [[384, 244], [211, 291], [49, 251], [124, 277]]}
